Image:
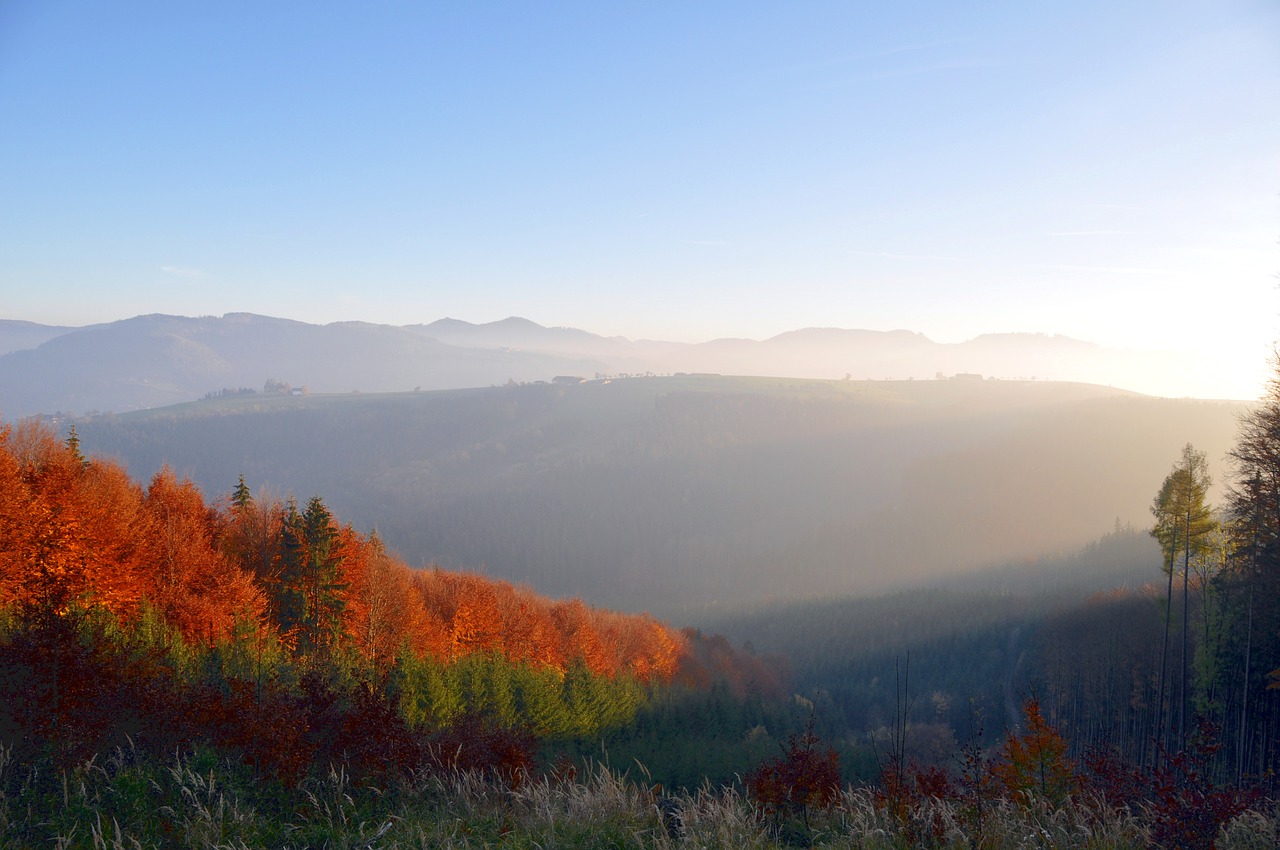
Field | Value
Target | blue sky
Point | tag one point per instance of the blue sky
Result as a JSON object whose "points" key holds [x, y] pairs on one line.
{"points": [[1109, 171]]}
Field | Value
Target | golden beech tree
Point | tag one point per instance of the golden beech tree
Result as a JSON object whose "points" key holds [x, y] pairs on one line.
{"points": [[115, 528], [457, 614], [578, 638], [648, 649], [196, 588], [377, 589], [426, 633], [465, 607], [475, 625], [251, 535], [14, 522], [41, 559], [529, 635], [48, 559], [50, 563]]}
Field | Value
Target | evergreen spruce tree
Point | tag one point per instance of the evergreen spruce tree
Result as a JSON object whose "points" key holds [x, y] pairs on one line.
{"points": [[310, 598], [73, 443], [241, 498]]}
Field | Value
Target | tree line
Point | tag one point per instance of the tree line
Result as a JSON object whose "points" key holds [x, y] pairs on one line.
{"points": [[1149, 669]]}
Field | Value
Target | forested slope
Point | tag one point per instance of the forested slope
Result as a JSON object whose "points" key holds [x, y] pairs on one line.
{"points": [[147, 612], [267, 643], [670, 494]]}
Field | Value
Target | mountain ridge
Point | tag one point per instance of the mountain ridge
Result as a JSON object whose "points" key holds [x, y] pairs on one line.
{"points": [[159, 359]]}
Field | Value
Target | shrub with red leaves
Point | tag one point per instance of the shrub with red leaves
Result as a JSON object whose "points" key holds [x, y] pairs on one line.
{"points": [[375, 742], [1109, 777], [902, 793], [264, 725], [476, 743], [1187, 808], [805, 776]]}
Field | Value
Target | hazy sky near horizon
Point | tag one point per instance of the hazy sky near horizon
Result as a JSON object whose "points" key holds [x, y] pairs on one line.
{"points": [[1108, 171]]}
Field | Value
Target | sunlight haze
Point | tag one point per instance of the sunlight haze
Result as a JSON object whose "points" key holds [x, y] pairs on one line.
{"points": [[655, 171]]}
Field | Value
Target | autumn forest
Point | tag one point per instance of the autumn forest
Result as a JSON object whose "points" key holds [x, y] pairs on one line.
{"points": [[241, 669]]}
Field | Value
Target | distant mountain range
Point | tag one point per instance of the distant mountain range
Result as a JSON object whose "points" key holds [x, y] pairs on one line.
{"points": [[157, 360]]}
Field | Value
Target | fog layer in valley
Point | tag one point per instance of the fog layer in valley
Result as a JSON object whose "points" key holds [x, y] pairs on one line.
{"points": [[675, 494]]}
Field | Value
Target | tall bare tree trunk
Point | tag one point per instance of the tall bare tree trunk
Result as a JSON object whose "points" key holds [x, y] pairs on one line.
{"points": [[1161, 729], [1186, 634]]}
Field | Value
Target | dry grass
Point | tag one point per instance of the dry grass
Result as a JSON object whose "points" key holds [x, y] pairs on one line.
{"points": [[129, 802]]}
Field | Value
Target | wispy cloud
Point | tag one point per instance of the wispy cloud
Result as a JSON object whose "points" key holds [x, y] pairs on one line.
{"points": [[931, 68], [893, 256], [1106, 269], [835, 62], [1115, 205], [846, 81], [179, 271], [911, 48], [1093, 233]]}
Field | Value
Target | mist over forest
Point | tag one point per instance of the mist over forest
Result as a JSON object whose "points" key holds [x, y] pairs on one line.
{"points": [[679, 494], [924, 573]]}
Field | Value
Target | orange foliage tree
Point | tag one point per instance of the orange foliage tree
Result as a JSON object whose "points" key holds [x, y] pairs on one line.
{"points": [[250, 534], [193, 584], [528, 633], [579, 638], [377, 589], [1036, 762], [45, 562]]}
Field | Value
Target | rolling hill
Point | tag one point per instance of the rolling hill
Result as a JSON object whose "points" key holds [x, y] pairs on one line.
{"points": [[157, 360], [683, 493]]}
